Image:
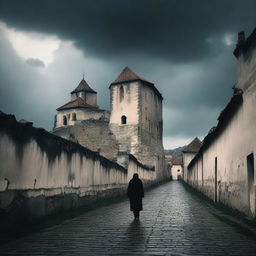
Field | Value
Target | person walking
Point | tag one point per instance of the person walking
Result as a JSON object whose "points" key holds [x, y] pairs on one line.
{"points": [[135, 192]]}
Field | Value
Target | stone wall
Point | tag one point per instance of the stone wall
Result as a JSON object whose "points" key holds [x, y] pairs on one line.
{"points": [[42, 174], [92, 134]]}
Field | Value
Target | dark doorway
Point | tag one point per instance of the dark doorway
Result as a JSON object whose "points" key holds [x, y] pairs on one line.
{"points": [[215, 180], [250, 174]]}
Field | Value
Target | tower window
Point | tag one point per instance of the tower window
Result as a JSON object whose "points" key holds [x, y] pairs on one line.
{"points": [[121, 93], [123, 119], [64, 120], [74, 116]]}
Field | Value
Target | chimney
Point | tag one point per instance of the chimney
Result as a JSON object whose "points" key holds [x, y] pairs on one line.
{"points": [[241, 38]]}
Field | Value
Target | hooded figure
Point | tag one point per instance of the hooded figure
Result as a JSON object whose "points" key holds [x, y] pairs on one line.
{"points": [[135, 193]]}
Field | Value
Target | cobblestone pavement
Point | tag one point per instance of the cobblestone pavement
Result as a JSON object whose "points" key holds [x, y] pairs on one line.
{"points": [[173, 222]]}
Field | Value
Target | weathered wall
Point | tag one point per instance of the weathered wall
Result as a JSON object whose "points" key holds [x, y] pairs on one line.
{"points": [[81, 114], [187, 157], [220, 170], [42, 173], [127, 105], [146, 174], [92, 134]]}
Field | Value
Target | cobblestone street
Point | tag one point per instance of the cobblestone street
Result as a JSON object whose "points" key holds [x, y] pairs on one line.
{"points": [[174, 222]]}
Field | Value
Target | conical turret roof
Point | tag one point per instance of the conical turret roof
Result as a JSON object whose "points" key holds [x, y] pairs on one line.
{"points": [[83, 86]]}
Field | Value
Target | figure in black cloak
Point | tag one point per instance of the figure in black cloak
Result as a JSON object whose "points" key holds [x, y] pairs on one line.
{"points": [[135, 193]]}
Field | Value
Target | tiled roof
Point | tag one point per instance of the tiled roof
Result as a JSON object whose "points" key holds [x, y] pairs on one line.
{"points": [[77, 103], [127, 75], [193, 146], [177, 160], [83, 86]]}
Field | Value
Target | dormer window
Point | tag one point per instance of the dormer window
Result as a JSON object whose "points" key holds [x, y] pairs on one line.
{"points": [[123, 120]]}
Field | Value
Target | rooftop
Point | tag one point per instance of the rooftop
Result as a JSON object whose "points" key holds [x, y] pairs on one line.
{"points": [[177, 160], [77, 103], [193, 146], [83, 86], [127, 75]]}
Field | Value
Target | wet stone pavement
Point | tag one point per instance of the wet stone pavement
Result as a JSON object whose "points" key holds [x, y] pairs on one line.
{"points": [[174, 222]]}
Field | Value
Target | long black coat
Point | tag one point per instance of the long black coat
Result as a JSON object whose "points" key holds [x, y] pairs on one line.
{"points": [[135, 192]]}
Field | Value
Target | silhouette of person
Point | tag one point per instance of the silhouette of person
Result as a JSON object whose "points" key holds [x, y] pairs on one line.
{"points": [[135, 192]]}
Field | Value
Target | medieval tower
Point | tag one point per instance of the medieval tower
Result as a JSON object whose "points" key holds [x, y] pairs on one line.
{"points": [[136, 117], [132, 127]]}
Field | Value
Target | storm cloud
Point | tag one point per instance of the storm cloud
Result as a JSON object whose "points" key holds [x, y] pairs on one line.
{"points": [[184, 47]]}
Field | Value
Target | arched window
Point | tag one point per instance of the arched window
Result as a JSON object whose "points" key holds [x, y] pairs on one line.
{"points": [[121, 93], [64, 120], [123, 119], [74, 117]]}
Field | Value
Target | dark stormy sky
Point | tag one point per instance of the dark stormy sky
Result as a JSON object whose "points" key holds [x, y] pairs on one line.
{"points": [[183, 46]]}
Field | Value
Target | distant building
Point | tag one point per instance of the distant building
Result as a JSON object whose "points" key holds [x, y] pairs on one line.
{"points": [[177, 168], [224, 167], [188, 154], [133, 126]]}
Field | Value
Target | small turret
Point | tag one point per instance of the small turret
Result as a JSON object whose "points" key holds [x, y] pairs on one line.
{"points": [[85, 92]]}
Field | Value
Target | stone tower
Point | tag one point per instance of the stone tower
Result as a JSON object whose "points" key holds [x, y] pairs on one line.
{"points": [[136, 117]]}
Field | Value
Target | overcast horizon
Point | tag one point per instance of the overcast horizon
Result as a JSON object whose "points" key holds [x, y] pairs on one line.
{"points": [[185, 48]]}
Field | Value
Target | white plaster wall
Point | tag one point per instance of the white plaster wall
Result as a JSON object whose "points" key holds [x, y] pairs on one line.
{"points": [[78, 171], [231, 148], [144, 174], [175, 171], [81, 114], [128, 106], [187, 157]]}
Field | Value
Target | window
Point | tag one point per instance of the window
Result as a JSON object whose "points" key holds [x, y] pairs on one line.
{"points": [[178, 170], [74, 116], [121, 93], [64, 120], [123, 120]]}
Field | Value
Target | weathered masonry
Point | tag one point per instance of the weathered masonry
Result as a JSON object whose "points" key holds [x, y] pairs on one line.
{"points": [[42, 173], [224, 167]]}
